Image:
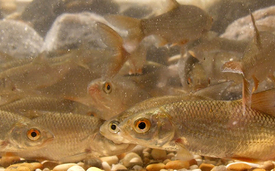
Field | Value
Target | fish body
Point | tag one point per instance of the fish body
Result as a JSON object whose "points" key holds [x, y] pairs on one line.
{"points": [[19, 133], [180, 24], [205, 127], [113, 95], [75, 136]]}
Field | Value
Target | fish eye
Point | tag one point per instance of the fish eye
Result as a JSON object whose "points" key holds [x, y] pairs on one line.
{"points": [[142, 125], [113, 127], [33, 134], [107, 88]]}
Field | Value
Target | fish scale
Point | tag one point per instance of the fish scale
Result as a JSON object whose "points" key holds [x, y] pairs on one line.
{"points": [[206, 127]]}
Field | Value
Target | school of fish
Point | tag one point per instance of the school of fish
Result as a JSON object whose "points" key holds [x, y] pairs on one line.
{"points": [[102, 84]]}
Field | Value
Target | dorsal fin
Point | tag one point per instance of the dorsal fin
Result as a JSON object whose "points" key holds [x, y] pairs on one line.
{"points": [[257, 34], [264, 101]]}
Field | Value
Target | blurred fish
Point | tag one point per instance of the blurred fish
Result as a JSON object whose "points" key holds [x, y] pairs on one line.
{"points": [[76, 137], [30, 104], [257, 62], [206, 127], [110, 96], [19, 133], [182, 23]]}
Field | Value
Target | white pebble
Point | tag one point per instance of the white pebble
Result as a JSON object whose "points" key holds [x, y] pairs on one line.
{"points": [[38, 170], [199, 161], [106, 166], [138, 149], [76, 168], [63, 167], [116, 167], [130, 159], [194, 167], [2, 169], [94, 169], [158, 154], [110, 159], [219, 168], [46, 169], [136, 161], [183, 169], [196, 170], [137, 168]]}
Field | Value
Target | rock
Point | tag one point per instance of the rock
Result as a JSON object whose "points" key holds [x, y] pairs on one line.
{"points": [[63, 167], [94, 169], [131, 159], [158, 154], [177, 164], [71, 31], [138, 150], [110, 159], [146, 154], [193, 162], [239, 167], [49, 164], [21, 167], [224, 11], [192, 167], [155, 167], [118, 167], [166, 161], [258, 169], [76, 168], [19, 40], [7, 160], [242, 28], [42, 13], [268, 165], [170, 155], [106, 166], [219, 168], [138, 168], [206, 167]]}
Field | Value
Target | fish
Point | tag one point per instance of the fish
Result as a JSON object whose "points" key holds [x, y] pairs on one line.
{"points": [[76, 138], [30, 104], [212, 128], [179, 25], [257, 63], [19, 133], [110, 96]]}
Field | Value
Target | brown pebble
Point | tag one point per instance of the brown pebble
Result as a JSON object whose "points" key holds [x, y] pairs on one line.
{"points": [[49, 164], [239, 167], [193, 162], [258, 169], [155, 167], [21, 167], [7, 160], [206, 167], [268, 165], [177, 164], [158, 154], [166, 161]]}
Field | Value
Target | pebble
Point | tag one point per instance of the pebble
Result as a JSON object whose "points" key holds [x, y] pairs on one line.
{"points": [[7, 160], [63, 167], [106, 166], [193, 162], [110, 159], [94, 169], [132, 159], [158, 154], [166, 161], [177, 164], [219, 168], [138, 149], [206, 167], [268, 165], [192, 167], [258, 169], [76, 168], [49, 164], [21, 167], [138, 168], [170, 155], [116, 167], [155, 167], [239, 167], [146, 154]]}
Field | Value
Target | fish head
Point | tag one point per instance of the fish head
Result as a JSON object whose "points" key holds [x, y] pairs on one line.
{"points": [[151, 128], [28, 136], [106, 147], [110, 130]]}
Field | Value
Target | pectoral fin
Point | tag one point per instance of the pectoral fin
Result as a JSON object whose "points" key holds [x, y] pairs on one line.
{"points": [[264, 101], [183, 153]]}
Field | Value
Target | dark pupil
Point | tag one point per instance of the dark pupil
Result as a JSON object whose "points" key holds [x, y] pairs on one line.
{"points": [[113, 127], [108, 87], [141, 125], [33, 134]]}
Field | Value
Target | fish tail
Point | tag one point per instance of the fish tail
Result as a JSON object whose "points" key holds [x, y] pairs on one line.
{"points": [[114, 42], [132, 25]]}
